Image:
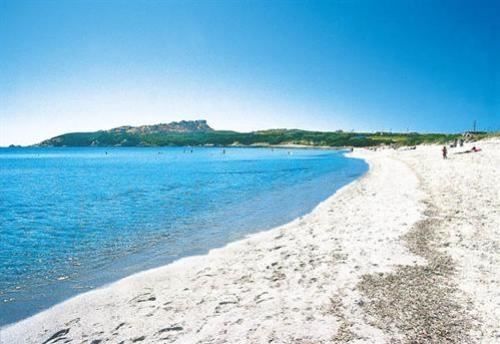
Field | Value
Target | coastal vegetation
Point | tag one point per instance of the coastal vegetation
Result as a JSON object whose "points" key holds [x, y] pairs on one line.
{"points": [[198, 133]]}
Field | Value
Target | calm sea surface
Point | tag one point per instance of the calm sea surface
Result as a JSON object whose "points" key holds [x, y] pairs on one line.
{"points": [[72, 219]]}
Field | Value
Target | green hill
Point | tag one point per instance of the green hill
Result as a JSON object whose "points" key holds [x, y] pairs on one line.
{"points": [[198, 133]]}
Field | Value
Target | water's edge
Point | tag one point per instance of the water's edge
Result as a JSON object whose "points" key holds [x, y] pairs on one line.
{"points": [[180, 260]]}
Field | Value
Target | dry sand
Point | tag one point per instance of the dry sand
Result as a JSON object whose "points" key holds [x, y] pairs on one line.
{"points": [[407, 254]]}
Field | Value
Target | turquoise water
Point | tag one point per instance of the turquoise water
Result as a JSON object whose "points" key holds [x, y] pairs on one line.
{"points": [[72, 219]]}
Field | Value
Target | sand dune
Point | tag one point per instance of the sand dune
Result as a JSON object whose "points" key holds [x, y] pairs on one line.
{"points": [[407, 254]]}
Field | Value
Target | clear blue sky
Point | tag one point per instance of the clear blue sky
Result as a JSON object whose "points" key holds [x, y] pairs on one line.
{"points": [[246, 65]]}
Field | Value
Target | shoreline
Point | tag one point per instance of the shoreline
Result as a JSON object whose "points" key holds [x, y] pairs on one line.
{"points": [[306, 281], [256, 145], [187, 261], [315, 193]]}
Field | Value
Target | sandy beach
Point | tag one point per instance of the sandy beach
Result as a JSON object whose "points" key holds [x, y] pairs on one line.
{"points": [[409, 253]]}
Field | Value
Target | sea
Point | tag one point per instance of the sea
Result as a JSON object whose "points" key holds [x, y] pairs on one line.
{"points": [[75, 219]]}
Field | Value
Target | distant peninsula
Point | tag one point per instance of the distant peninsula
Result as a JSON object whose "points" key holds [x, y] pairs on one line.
{"points": [[199, 133]]}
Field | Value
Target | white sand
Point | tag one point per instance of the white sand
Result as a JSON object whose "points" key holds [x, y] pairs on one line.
{"points": [[299, 283], [466, 189]]}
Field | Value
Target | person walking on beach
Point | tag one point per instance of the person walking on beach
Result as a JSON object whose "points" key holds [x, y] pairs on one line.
{"points": [[445, 152]]}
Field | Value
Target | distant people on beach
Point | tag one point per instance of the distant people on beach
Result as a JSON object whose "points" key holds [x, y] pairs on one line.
{"points": [[445, 152], [474, 149]]}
